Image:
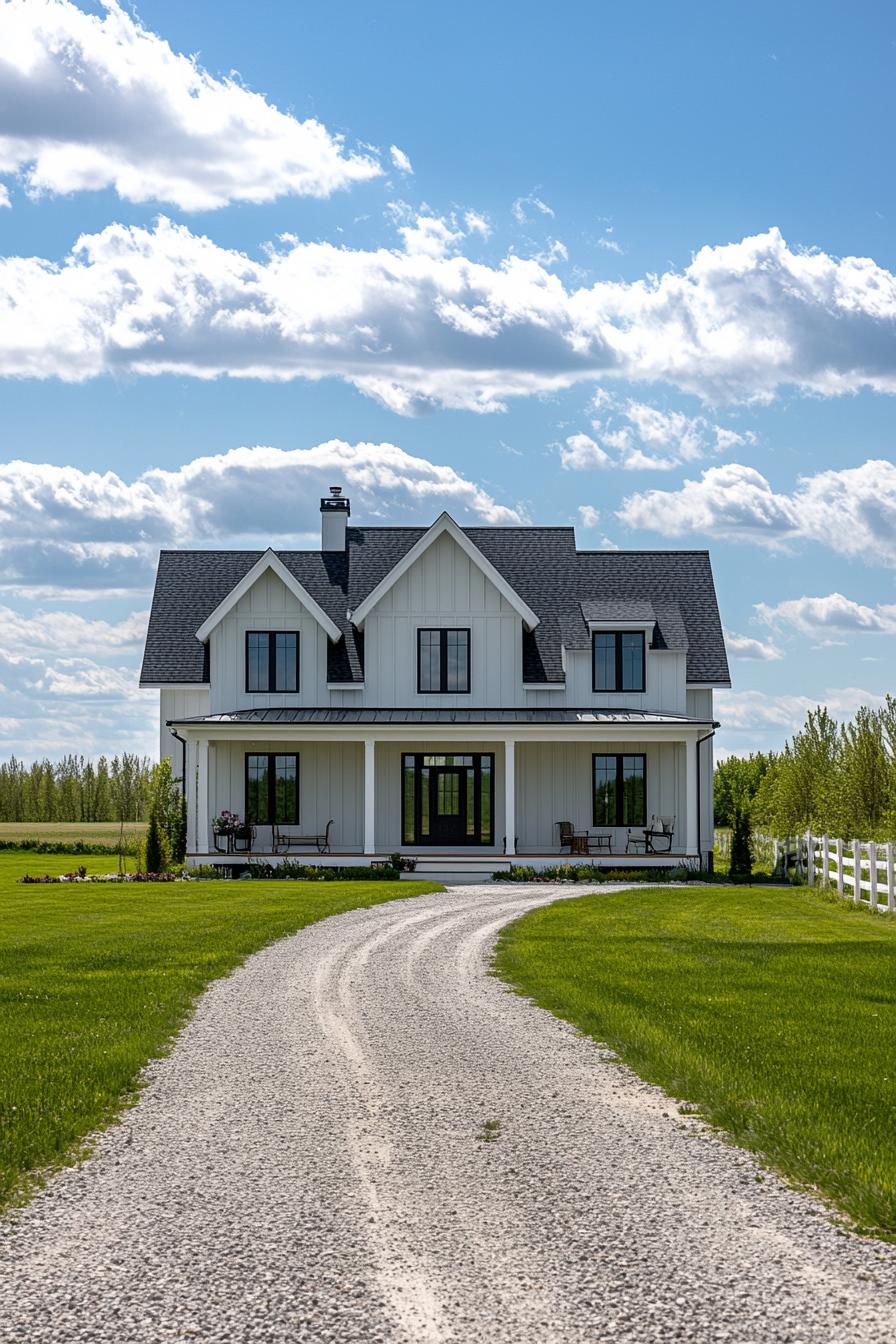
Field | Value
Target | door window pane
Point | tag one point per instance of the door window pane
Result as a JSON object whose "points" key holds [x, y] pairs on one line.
{"points": [[632, 642], [448, 794], [257, 661], [257, 790], [286, 651], [634, 799], [605, 790], [471, 804], [407, 796]]}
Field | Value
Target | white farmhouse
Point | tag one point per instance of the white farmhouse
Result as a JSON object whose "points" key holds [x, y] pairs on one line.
{"points": [[460, 694]]}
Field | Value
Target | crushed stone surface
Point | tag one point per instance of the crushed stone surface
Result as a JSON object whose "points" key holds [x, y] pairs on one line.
{"points": [[362, 1135]]}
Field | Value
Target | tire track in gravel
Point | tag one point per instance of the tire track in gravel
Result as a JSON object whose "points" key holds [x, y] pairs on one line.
{"points": [[312, 1163]]}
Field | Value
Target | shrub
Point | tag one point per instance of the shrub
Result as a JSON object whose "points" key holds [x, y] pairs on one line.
{"points": [[155, 858], [741, 844]]}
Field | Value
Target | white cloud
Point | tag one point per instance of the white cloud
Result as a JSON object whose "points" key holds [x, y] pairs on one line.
{"points": [[669, 437], [581, 453], [523, 205], [757, 650], [255, 494], [753, 711], [823, 617], [423, 326], [852, 511], [95, 101], [400, 159], [68, 631], [5, 202], [589, 516], [474, 222]]}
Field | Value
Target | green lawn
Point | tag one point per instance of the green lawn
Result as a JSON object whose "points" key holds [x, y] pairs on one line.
{"points": [[773, 1010], [94, 980]]}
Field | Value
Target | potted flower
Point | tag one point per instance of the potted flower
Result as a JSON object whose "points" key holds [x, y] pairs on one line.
{"points": [[228, 825]]}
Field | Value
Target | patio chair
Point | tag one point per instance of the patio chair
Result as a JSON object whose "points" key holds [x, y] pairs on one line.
{"points": [[659, 833]]}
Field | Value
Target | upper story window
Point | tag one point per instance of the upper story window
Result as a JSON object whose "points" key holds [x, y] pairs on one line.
{"points": [[618, 660], [443, 662], [272, 660]]}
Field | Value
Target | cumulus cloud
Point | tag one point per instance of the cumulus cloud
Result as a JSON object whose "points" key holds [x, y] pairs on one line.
{"points": [[829, 617], [749, 711], [255, 494], [422, 325], [579, 453], [5, 202], [852, 511], [93, 101], [400, 160], [68, 631], [757, 650], [589, 516], [644, 437]]}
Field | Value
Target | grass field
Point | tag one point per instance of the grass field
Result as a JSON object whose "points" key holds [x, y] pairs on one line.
{"points": [[95, 980], [773, 1010], [64, 832]]}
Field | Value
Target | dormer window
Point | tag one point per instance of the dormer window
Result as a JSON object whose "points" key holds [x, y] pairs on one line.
{"points": [[443, 662], [618, 660], [272, 660]]}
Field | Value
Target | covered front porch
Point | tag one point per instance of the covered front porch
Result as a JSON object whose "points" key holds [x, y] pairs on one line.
{"points": [[439, 792]]}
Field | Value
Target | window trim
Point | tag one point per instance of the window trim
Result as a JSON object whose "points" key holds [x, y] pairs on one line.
{"points": [[272, 687], [618, 688], [442, 632], [618, 756], [272, 788]]}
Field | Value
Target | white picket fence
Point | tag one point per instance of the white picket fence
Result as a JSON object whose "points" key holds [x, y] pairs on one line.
{"points": [[860, 869]]}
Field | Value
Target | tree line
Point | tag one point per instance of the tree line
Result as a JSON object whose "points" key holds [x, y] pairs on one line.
{"points": [[836, 779], [75, 789]]}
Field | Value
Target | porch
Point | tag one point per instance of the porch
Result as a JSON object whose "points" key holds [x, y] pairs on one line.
{"points": [[445, 797]]}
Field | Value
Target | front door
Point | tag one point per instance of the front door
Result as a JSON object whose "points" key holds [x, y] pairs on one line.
{"points": [[447, 800]]}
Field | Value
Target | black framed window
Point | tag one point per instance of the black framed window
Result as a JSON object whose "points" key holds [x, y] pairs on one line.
{"points": [[272, 660], [448, 799], [443, 662], [620, 789], [618, 660], [272, 788]]}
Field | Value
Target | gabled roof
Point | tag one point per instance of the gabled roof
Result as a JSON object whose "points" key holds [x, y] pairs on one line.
{"points": [[444, 526], [272, 562], [540, 564]]}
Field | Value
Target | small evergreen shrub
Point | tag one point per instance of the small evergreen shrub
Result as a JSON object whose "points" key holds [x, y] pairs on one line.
{"points": [[741, 844], [155, 858]]}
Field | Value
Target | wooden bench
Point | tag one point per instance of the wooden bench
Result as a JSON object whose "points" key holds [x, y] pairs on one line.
{"points": [[283, 840]]}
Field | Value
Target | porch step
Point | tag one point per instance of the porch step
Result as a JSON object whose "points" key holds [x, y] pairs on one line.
{"points": [[453, 872]]}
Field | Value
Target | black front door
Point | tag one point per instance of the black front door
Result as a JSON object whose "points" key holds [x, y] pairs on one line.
{"points": [[448, 804], [447, 800]]}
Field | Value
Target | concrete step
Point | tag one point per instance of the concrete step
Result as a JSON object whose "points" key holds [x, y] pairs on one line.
{"points": [[453, 872]]}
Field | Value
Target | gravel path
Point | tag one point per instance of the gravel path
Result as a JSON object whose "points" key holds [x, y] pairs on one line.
{"points": [[311, 1164]]}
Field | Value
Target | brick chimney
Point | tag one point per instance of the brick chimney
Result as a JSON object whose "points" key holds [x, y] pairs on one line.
{"points": [[334, 515]]}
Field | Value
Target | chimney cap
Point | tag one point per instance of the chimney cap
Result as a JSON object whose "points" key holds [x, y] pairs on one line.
{"points": [[335, 491], [335, 501]]}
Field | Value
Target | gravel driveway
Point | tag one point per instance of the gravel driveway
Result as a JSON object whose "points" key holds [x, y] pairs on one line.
{"points": [[363, 1136]]}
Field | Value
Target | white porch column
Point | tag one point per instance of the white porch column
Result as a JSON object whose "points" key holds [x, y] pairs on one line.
{"points": [[369, 796], [202, 817], [190, 792], [692, 802], [510, 796]]}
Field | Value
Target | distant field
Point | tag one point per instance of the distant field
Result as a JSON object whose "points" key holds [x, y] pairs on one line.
{"points": [[90, 832]]}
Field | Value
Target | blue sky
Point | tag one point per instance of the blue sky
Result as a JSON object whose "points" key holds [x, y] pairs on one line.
{"points": [[627, 267]]}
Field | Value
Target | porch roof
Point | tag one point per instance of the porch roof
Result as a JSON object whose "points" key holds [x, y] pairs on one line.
{"points": [[535, 715]]}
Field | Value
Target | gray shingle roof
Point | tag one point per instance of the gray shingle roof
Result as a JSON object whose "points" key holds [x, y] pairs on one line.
{"points": [[540, 563]]}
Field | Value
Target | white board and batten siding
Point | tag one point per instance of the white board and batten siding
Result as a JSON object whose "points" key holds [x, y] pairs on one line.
{"points": [[442, 589], [331, 785], [554, 783], [268, 605], [178, 703]]}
